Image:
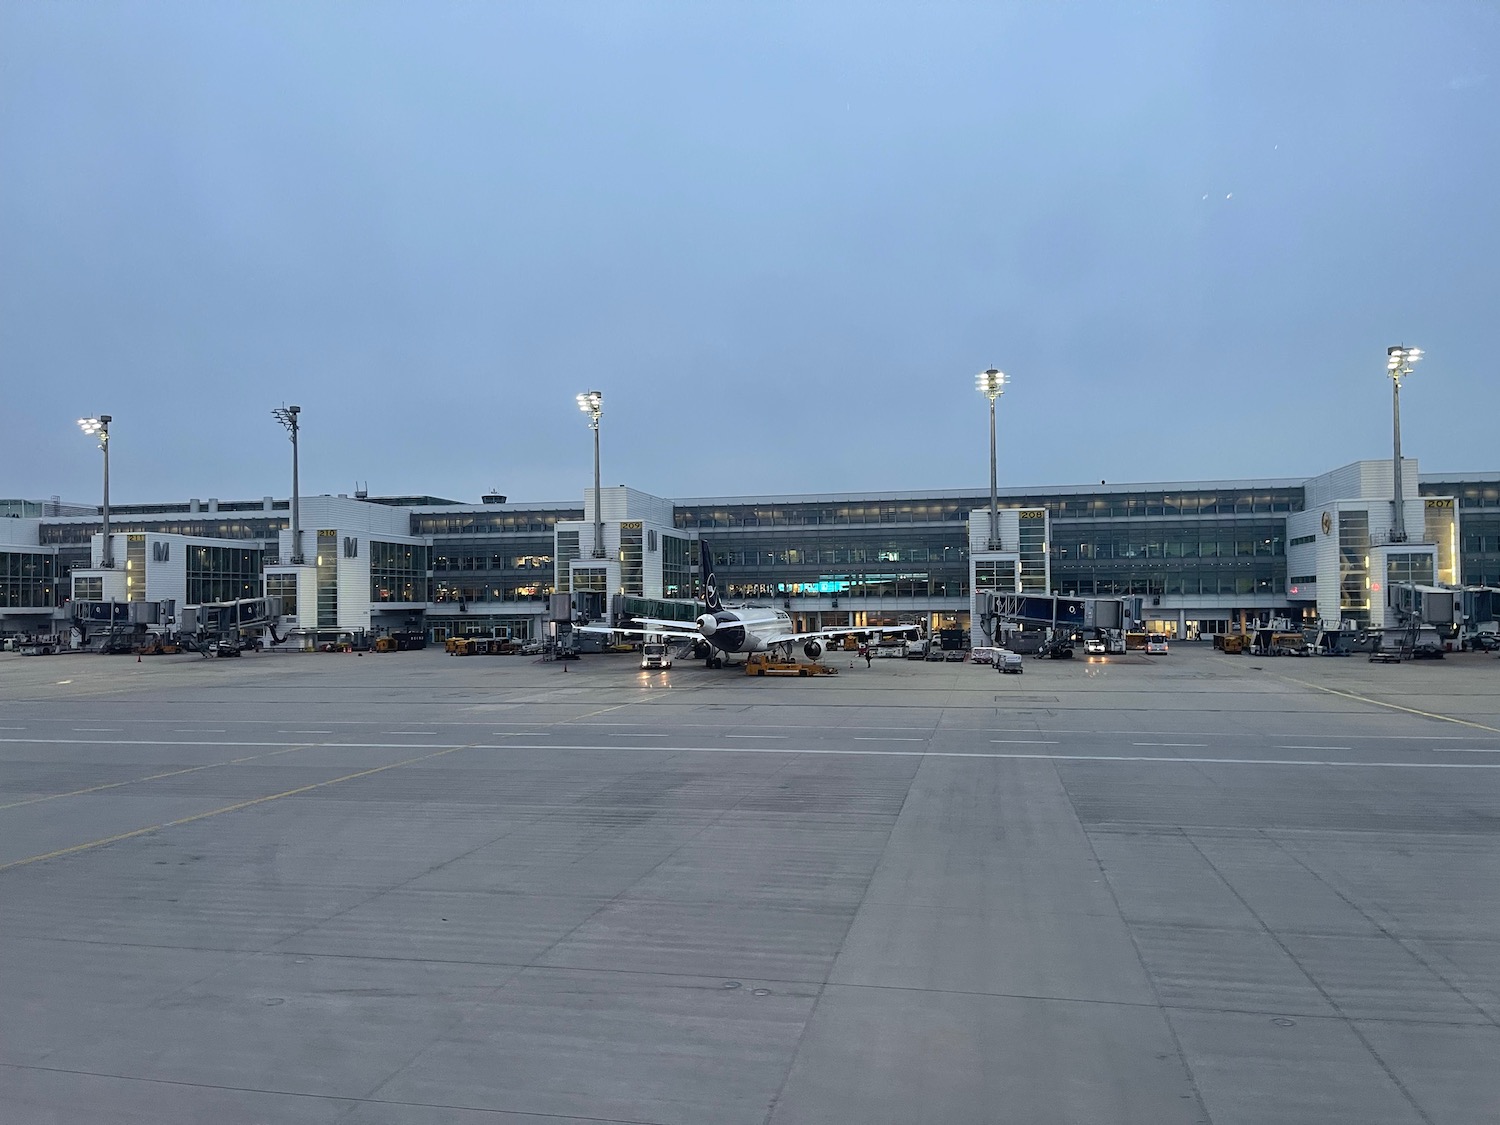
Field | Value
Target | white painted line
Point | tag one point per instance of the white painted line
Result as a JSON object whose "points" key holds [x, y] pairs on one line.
{"points": [[1024, 741], [521, 733], [1463, 750], [1314, 748], [1230, 734], [100, 730], [23, 728], [1161, 759], [885, 738], [1199, 745]]}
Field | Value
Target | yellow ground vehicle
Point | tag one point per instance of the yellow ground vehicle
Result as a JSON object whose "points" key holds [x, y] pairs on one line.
{"points": [[763, 664], [1232, 643]]}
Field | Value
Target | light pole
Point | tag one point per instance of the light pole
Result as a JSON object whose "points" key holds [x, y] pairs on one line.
{"points": [[592, 404], [991, 384], [1399, 362], [288, 416], [100, 426]]}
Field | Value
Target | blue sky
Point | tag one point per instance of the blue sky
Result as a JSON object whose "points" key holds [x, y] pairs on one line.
{"points": [[780, 238]]}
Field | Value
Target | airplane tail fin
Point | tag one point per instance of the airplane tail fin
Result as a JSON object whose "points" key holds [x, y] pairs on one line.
{"points": [[707, 577]]}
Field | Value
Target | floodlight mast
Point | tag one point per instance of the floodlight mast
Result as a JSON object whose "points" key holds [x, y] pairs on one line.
{"points": [[592, 404], [1399, 362], [100, 425], [289, 416], [991, 384]]}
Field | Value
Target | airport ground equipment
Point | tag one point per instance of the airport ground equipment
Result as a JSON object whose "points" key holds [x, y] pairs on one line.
{"points": [[1278, 642], [401, 640], [46, 644], [228, 628], [1060, 619], [764, 664], [1009, 662]]}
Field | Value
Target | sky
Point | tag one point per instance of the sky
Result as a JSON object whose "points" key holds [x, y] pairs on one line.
{"points": [[781, 239]]}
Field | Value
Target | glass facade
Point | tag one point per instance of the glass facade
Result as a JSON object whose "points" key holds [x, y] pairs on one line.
{"points": [[567, 551], [994, 574], [135, 568], [632, 579], [1408, 567], [489, 523], [204, 527], [28, 579], [283, 586], [1033, 544], [1478, 530], [854, 562], [591, 578], [221, 574], [1354, 566], [1187, 557], [86, 589], [398, 572], [676, 567], [328, 579]]}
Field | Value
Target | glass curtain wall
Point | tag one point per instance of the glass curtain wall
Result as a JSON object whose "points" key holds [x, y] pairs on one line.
{"points": [[632, 579], [1354, 566], [567, 551], [1033, 543], [398, 572], [27, 579], [676, 567], [221, 574], [328, 579], [283, 586]]}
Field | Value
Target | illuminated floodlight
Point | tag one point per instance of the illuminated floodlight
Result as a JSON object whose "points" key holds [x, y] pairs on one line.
{"points": [[1399, 360], [991, 383], [592, 404]]}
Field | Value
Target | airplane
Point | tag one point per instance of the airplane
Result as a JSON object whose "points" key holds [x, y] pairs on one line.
{"points": [[744, 629]]}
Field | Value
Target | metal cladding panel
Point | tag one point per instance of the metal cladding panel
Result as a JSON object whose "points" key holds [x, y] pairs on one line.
{"points": [[1070, 611], [102, 613]]}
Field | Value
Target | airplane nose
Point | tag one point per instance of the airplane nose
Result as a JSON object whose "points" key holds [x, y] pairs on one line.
{"points": [[708, 624]]}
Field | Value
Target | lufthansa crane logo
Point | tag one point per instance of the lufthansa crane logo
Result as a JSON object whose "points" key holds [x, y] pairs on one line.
{"points": [[1327, 523]]}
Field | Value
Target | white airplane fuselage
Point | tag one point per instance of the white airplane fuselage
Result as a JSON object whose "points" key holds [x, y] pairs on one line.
{"points": [[745, 630]]}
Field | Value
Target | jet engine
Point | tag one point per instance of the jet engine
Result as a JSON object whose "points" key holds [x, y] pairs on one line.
{"points": [[813, 650], [708, 624]]}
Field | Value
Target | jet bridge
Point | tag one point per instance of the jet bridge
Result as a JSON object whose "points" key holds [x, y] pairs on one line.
{"points": [[1060, 617]]}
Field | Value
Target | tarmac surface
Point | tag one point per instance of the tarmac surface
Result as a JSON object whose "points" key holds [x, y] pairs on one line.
{"points": [[414, 888]]}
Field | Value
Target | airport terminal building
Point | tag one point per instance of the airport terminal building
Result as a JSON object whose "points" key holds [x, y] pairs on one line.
{"points": [[1204, 556]]}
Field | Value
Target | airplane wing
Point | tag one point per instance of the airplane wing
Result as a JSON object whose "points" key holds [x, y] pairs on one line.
{"points": [[821, 634], [678, 631]]}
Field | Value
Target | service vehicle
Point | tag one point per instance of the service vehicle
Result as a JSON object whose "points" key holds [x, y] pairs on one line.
{"points": [[1009, 662], [654, 654], [765, 664], [1094, 646], [1156, 646]]}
